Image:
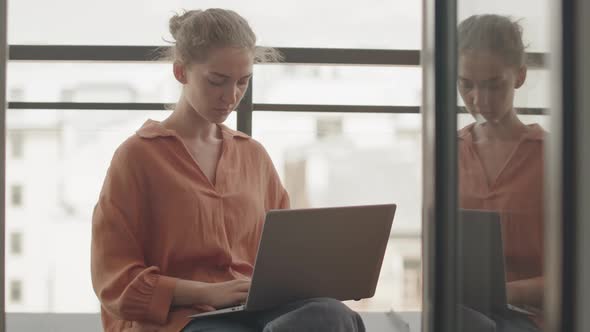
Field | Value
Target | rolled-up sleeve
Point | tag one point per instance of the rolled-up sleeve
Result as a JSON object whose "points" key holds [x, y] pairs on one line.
{"points": [[124, 284]]}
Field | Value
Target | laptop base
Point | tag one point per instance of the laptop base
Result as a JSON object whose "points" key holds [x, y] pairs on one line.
{"points": [[224, 311]]}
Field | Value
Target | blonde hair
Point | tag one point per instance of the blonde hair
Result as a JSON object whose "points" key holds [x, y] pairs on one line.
{"points": [[196, 32]]}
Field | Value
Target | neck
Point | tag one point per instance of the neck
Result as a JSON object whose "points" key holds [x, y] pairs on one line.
{"points": [[507, 128], [189, 124]]}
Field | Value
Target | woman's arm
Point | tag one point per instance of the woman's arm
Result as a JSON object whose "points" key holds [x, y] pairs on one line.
{"points": [[128, 287], [216, 295], [526, 292], [125, 284]]}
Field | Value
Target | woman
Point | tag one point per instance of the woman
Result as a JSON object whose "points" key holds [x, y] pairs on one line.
{"points": [[177, 224], [501, 158]]}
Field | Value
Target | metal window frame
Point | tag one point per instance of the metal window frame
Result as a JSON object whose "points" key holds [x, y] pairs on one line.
{"points": [[439, 295], [439, 225], [292, 55], [567, 293], [3, 109], [582, 49], [567, 269], [309, 56]]}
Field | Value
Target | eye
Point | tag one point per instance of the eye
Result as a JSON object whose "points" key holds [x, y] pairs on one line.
{"points": [[243, 82], [495, 85], [465, 85], [215, 82]]}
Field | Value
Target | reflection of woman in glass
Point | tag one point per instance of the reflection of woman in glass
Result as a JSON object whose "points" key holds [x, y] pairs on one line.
{"points": [[501, 158], [176, 228]]}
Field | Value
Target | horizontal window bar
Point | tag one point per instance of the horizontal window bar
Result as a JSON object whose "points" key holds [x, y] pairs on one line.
{"points": [[88, 106], [351, 56], [256, 107], [336, 108], [152, 53], [292, 55]]}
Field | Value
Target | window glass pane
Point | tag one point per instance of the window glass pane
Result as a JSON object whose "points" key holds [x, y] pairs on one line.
{"points": [[338, 85], [350, 159], [154, 83], [501, 163], [332, 23], [61, 177], [151, 82]]}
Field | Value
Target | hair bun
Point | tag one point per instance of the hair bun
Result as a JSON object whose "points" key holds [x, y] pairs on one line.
{"points": [[178, 20]]}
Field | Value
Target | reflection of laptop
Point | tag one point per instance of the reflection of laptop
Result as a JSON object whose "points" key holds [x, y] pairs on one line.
{"points": [[481, 260], [325, 252]]}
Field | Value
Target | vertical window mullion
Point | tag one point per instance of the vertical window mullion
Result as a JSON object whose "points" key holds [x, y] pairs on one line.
{"points": [[245, 111], [441, 286]]}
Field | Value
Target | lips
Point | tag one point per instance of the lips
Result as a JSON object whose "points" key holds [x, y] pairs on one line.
{"points": [[223, 110]]}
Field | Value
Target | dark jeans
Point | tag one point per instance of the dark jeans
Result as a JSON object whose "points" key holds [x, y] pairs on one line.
{"points": [[321, 314]]}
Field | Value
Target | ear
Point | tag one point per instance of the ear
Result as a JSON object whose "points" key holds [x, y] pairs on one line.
{"points": [[179, 72], [521, 77]]}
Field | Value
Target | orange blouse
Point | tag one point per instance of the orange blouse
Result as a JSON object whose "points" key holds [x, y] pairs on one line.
{"points": [[516, 193], [159, 219]]}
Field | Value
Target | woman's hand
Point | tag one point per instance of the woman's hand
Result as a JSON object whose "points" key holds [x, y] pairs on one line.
{"points": [[226, 294], [216, 295], [526, 292]]}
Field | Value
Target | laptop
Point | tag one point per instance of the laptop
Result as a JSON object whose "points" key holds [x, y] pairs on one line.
{"points": [[334, 252], [481, 261]]}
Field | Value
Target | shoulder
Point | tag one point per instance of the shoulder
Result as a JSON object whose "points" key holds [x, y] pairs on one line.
{"points": [[536, 133], [245, 143], [465, 133], [132, 148], [133, 155], [142, 144]]}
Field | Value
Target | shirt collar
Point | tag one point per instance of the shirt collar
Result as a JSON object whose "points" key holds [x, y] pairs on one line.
{"points": [[153, 129]]}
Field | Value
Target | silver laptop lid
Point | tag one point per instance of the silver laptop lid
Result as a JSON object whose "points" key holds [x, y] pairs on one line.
{"points": [[332, 252]]}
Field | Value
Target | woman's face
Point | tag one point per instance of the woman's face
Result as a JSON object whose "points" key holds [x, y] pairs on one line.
{"points": [[215, 87], [486, 84]]}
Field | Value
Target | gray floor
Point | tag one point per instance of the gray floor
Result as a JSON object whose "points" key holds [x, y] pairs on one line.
{"points": [[17, 322]]}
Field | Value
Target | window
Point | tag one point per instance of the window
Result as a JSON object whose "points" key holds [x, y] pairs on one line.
{"points": [[16, 143], [335, 159], [338, 85], [413, 281], [16, 243], [16, 94], [145, 82], [318, 154], [16, 292], [16, 195]]}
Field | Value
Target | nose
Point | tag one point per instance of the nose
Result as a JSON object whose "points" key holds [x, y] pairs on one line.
{"points": [[479, 96], [231, 95]]}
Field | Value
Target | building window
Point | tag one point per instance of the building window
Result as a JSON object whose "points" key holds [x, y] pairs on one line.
{"points": [[16, 291], [16, 195], [412, 282], [16, 144], [16, 243], [16, 94], [328, 127]]}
